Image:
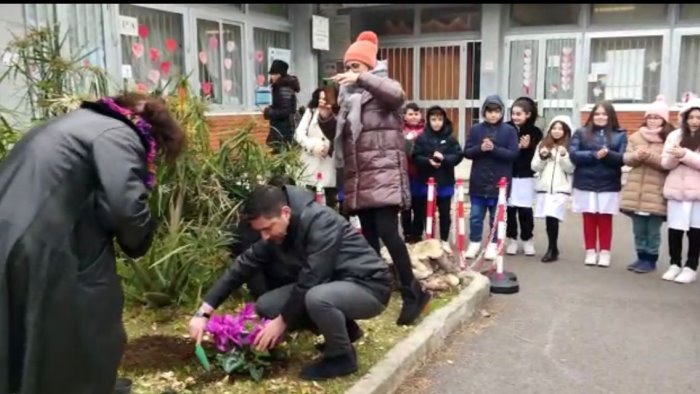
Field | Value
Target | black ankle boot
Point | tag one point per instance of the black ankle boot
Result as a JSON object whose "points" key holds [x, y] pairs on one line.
{"points": [[354, 333], [414, 301], [551, 256], [330, 367]]}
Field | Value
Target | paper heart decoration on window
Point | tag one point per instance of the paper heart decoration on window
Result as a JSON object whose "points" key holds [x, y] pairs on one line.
{"points": [[527, 52], [259, 57], [170, 45], [228, 85], [261, 80], [206, 88], [597, 91], [165, 67], [230, 46], [228, 63], [137, 50], [141, 87], [567, 50], [153, 54], [154, 76], [86, 63], [213, 42], [143, 31], [203, 57]]}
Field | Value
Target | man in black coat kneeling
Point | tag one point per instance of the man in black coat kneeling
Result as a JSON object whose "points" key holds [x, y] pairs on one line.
{"points": [[339, 277]]}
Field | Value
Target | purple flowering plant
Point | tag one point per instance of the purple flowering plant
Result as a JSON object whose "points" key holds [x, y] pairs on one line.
{"points": [[233, 337]]}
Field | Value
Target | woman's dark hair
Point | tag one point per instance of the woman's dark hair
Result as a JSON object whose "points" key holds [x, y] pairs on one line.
{"points": [[549, 142], [666, 129], [315, 97], [169, 135], [613, 123], [527, 105], [412, 106], [688, 139]]}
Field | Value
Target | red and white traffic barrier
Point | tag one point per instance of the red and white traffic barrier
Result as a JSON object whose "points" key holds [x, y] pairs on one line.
{"points": [[430, 210], [501, 224], [460, 221], [320, 194]]}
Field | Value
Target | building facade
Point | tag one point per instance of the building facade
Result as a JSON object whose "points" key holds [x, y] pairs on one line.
{"points": [[566, 56]]}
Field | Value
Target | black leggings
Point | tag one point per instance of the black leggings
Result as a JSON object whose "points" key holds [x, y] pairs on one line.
{"points": [[384, 223], [527, 223], [675, 247], [444, 207], [552, 233]]}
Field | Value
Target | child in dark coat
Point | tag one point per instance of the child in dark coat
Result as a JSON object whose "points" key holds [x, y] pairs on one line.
{"points": [[492, 146], [436, 154], [523, 115]]}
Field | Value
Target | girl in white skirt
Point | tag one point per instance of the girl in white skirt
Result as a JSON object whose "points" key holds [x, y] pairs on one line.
{"points": [[682, 190], [597, 149], [523, 115], [553, 186]]}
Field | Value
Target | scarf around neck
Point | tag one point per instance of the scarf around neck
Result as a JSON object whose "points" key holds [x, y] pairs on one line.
{"points": [[350, 98], [651, 135], [143, 129]]}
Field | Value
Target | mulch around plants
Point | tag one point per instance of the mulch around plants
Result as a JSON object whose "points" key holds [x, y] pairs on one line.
{"points": [[157, 352]]}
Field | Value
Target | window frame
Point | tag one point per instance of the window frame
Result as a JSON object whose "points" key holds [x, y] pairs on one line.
{"points": [[591, 26], [198, 13], [677, 42], [665, 35]]}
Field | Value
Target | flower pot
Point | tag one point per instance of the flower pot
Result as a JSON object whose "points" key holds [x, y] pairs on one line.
{"points": [[123, 386]]}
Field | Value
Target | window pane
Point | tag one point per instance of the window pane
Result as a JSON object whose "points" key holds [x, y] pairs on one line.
{"points": [[559, 74], [439, 73], [689, 73], [544, 14], [523, 69], [690, 12], [625, 69], [400, 65], [450, 19], [272, 9], [473, 79], [615, 14], [157, 53], [263, 40], [86, 34], [383, 22]]}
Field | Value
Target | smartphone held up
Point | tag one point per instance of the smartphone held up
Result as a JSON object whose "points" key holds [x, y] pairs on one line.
{"points": [[330, 92]]}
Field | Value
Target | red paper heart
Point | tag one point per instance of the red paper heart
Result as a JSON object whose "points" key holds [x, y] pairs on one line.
{"points": [[206, 88], [165, 68], [154, 54], [141, 87], [170, 45], [143, 31], [137, 50]]}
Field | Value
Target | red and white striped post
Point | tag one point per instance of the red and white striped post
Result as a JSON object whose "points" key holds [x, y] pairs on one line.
{"points": [[430, 210], [460, 222], [502, 282], [320, 194]]}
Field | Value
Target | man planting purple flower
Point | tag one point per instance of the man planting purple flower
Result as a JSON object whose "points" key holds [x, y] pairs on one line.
{"points": [[339, 278]]}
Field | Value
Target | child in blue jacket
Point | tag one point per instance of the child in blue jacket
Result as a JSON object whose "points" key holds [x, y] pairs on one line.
{"points": [[492, 146]]}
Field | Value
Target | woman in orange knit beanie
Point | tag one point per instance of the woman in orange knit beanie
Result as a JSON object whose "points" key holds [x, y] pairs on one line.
{"points": [[369, 147]]}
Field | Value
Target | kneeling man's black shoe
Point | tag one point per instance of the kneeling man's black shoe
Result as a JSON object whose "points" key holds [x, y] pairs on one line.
{"points": [[330, 367]]}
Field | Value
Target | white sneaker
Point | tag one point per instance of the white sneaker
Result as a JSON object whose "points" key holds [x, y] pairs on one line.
{"points": [[604, 258], [591, 257], [688, 275], [529, 247], [472, 250], [512, 248], [672, 272], [491, 251]]}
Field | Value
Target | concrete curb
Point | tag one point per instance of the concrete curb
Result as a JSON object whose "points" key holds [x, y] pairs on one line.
{"points": [[386, 376]]}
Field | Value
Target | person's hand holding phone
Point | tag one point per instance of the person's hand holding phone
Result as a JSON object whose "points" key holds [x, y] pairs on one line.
{"points": [[487, 145]]}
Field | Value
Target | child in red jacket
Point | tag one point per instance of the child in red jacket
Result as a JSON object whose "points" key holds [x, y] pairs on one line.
{"points": [[411, 219]]}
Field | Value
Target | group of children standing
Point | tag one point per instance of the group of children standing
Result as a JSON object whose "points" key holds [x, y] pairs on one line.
{"points": [[560, 166]]}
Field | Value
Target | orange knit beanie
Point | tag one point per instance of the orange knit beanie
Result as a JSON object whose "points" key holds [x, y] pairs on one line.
{"points": [[364, 49]]}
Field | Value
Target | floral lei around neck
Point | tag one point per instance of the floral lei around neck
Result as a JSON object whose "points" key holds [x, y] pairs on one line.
{"points": [[144, 130]]}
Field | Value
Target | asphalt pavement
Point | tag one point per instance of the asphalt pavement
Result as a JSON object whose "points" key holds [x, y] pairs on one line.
{"points": [[575, 329]]}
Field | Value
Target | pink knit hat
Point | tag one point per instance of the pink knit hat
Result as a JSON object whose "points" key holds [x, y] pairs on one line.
{"points": [[659, 108]]}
